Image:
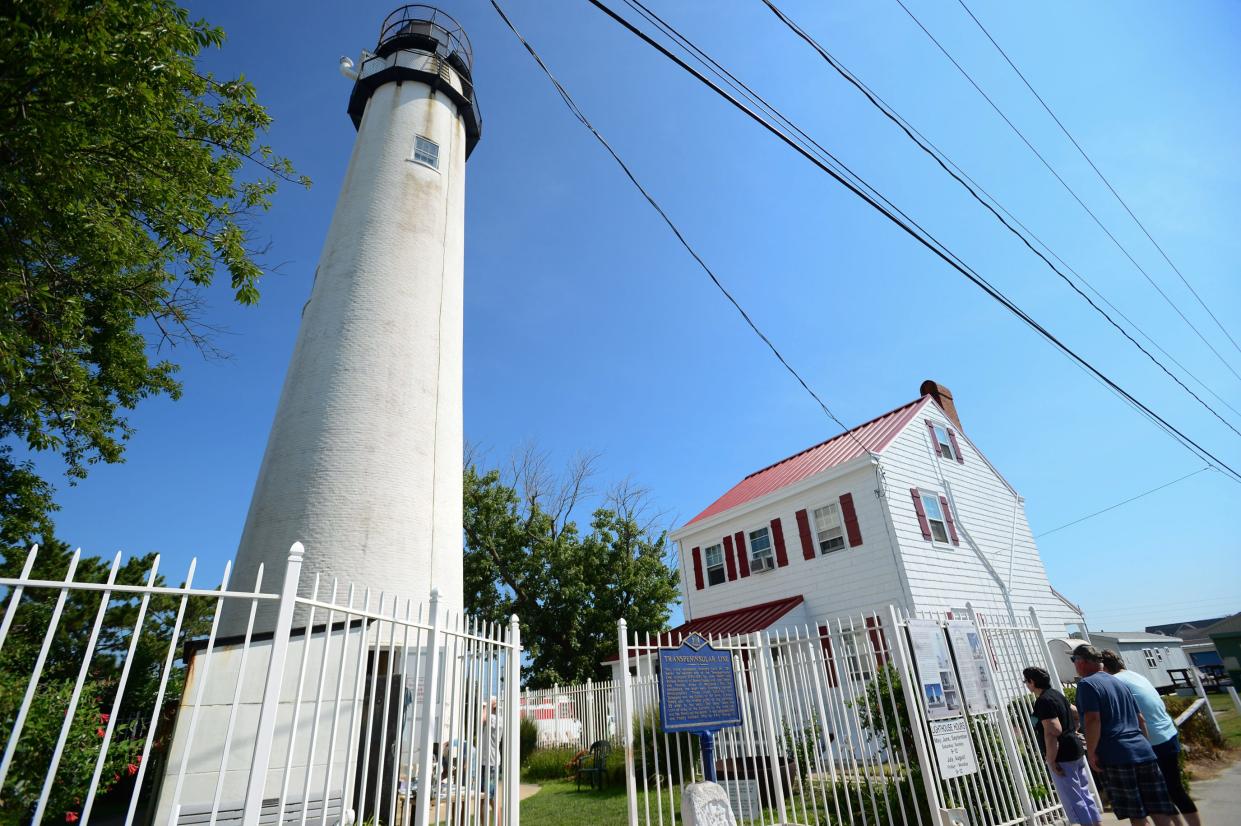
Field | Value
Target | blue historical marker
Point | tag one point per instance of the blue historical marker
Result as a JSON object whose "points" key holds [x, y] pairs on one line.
{"points": [[698, 693]]}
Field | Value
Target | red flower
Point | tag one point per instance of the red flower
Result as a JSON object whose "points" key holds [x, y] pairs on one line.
{"points": [[138, 759], [103, 718], [132, 768], [71, 817], [99, 732], [115, 778]]}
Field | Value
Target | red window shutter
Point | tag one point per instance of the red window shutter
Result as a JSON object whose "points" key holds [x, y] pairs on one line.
{"points": [[729, 563], [878, 641], [743, 558], [956, 448], [922, 523], [777, 535], [698, 584], [803, 530], [952, 527], [930, 428], [852, 529], [826, 641]]}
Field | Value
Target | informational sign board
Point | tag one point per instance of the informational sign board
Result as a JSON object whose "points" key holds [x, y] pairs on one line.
{"points": [[697, 687], [967, 645], [953, 750], [743, 797], [938, 681]]}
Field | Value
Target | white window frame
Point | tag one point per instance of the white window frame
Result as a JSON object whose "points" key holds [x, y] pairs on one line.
{"points": [[769, 554], [945, 443], [1149, 653], [420, 155], [929, 500], [839, 528], [706, 560]]}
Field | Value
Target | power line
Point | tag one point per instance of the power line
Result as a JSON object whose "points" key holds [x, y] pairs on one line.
{"points": [[935, 153], [581, 117], [1118, 504], [911, 228], [1102, 177], [1068, 188]]}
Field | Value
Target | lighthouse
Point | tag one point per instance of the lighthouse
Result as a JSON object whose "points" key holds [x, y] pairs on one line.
{"points": [[363, 464]]}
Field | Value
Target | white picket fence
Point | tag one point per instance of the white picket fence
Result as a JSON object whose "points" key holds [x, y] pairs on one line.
{"points": [[839, 725], [574, 716], [343, 711]]}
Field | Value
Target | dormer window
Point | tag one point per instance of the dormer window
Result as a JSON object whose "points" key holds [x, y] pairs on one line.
{"points": [[761, 558], [715, 566], [829, 529]]}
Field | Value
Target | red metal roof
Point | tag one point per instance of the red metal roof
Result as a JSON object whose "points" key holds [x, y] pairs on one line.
{"points": [[728, 623], [875, 435]]}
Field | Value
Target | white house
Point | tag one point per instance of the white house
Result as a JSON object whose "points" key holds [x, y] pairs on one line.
{"points": [[1157, 657], [904, 509]]}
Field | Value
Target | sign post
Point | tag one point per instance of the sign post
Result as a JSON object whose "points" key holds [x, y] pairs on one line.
{"points": [[698, 694]]}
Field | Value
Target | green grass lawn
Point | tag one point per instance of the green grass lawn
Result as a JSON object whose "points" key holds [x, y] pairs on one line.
{"points": [[1229, 720], [558, 803]]}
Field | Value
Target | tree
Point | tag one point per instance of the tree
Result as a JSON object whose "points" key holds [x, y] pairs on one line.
{"points": [[96, 706], [526, 555], [124, 187]]}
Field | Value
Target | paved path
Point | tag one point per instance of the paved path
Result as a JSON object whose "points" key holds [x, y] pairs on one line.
{"points": [[527, 789], [1219, 799]]}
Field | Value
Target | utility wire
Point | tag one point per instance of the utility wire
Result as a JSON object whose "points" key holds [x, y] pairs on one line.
{"points": [[908, 226], [581, 117], [973, 187], [1125, 502], [1102, 177], [1068, 188], [934, 152]]}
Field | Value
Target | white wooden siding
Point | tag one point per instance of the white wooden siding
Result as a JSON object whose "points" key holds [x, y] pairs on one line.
{"points": [[990, 522], [848, 580]]}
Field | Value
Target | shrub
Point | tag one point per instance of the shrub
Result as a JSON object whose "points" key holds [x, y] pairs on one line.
{"points": [[528, 734], [667, 755], [549, 764]]}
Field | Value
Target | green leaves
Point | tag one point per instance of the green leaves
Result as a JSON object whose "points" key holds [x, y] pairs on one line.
{"points": [[525, 555], [127, 178]]}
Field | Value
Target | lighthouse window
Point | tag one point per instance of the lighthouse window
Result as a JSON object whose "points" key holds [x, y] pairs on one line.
{"points": [[427, 151]]}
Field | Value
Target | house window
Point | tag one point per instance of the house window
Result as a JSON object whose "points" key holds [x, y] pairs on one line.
{"points": [[945, 442], [715, 565], [760, 550], [829, 529], [935, 517], [1150, 657], [427, 151]]}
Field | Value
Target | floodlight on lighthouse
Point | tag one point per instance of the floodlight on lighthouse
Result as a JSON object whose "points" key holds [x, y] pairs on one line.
{"points": [[346, 68]]}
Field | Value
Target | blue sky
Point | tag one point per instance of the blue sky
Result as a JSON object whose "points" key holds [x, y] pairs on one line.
{"points": [[589, 329]]}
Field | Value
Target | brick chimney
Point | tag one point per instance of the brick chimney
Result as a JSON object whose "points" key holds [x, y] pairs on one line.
{"points": [[943, 396]]}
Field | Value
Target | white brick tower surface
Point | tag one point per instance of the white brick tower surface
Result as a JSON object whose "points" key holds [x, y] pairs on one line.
{"points": [[363, 463]]}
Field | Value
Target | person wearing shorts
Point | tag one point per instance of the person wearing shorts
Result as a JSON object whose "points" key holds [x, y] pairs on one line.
{"points": [[1116, 744], [1062, 751], [1160, 730]]}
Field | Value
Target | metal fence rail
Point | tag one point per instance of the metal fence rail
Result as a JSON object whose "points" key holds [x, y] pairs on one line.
{"points": [[354, 706], [572, 716], [881, 719]]}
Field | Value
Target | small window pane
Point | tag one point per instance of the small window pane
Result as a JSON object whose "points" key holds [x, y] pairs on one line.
{"points": [[945, 443], [760, 544], [828, 528], [715, 565], [935, 517], [427, 151]]}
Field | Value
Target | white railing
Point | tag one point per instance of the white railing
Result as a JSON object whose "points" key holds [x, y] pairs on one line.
{"points": [[574, 716], [882, 719], [342, 707]]}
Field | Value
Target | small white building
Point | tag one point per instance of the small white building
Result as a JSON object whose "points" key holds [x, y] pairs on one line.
{"points": [[904, 509], [1154, 656]]}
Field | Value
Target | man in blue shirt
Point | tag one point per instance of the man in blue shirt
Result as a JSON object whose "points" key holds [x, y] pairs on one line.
{"points": [[1116, 745], [1160, 730]]}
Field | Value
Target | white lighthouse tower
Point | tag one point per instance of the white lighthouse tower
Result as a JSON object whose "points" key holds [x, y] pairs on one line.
{"points": [[363, 463]]}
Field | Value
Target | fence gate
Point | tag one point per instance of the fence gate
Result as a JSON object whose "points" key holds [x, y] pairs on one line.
{"points": [[883, 720], [128, 703]]}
